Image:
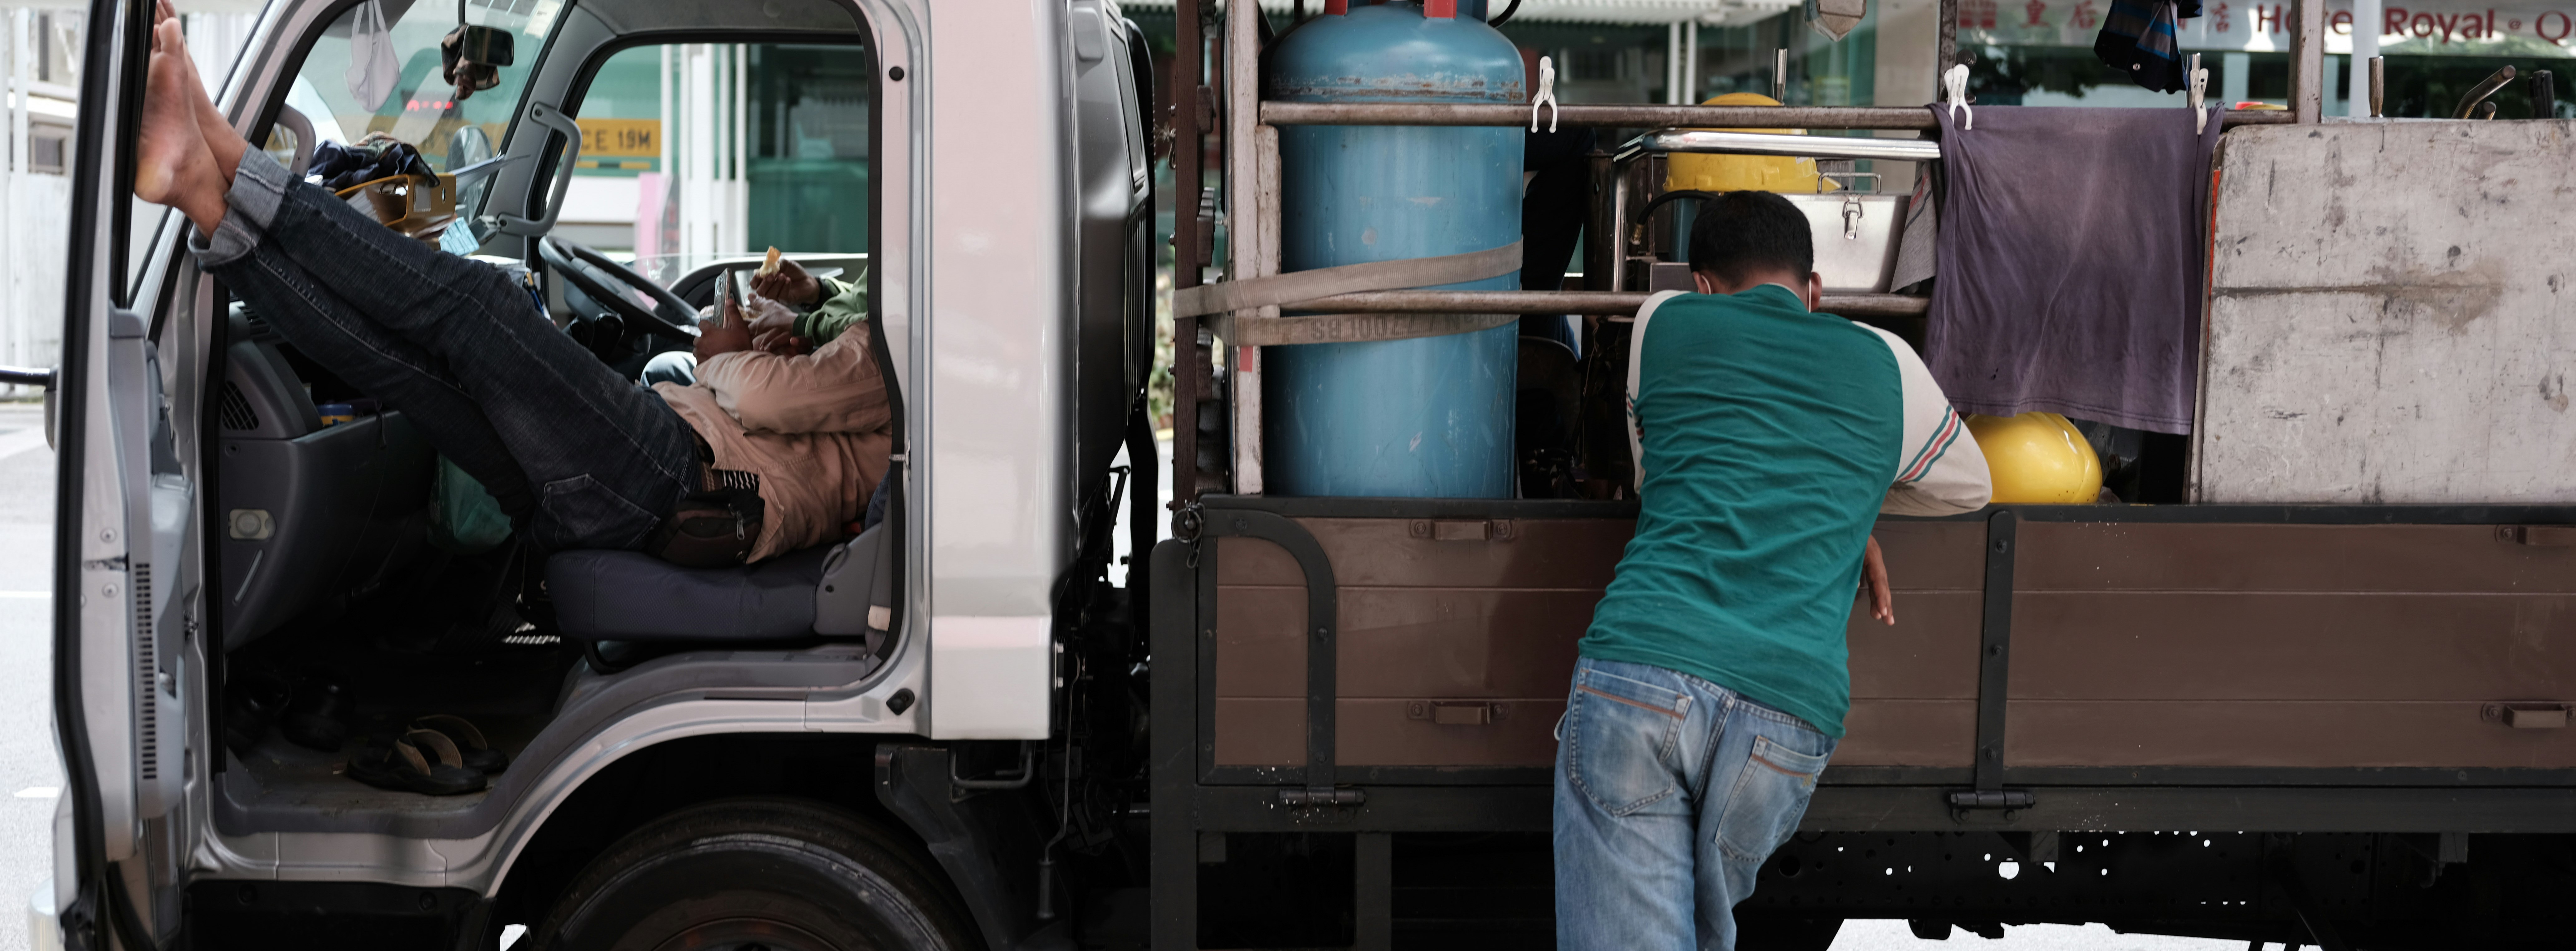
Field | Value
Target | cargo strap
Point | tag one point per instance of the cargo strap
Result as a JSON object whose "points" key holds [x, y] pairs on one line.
{"points": [[1291, 288]]}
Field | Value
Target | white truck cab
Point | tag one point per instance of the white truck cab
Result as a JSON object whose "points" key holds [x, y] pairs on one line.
{"points": [[225, 547]]}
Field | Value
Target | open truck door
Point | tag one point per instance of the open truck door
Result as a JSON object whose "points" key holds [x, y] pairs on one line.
{"points": [[124, 507]]}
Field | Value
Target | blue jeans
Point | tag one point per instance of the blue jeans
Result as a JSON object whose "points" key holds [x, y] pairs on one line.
{"points": [[578, 456], [1671, 791], [673, 366]]}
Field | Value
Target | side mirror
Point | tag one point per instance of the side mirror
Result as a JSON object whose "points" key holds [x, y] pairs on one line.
{"points": [[472, 57], [469, 145]]}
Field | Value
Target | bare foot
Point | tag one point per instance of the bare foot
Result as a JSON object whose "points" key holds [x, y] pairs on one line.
{"points": [[172, 164], [226, 144]]}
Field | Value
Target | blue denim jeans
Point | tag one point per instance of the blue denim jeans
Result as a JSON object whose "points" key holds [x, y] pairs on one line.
{"points": [[580, 457], [1671, 791]]}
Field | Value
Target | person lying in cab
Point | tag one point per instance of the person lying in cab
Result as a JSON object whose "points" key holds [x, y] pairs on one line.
{"points": [[767, 452]]}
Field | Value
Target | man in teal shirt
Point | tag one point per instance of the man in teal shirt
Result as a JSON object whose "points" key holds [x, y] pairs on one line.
{"points": [[1712, 683]]}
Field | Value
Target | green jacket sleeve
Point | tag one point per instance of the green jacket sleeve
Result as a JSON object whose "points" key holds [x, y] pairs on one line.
{"points": [[844, 303]]}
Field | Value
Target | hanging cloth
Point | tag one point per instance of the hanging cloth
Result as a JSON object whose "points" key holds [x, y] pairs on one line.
{"points": [[2138, 40], [374, 68], [2082, 297]]}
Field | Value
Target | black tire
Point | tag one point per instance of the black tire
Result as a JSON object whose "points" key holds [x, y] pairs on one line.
{"points": [[767, 874]]}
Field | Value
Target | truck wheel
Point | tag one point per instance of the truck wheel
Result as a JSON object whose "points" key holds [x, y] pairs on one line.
{"points": [[746, 874]]}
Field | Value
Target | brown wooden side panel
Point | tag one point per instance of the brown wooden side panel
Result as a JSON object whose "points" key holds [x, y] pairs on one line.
{"points": [[1909, 733], [1390, 733], [2294, 734], [1272, 732], [1260, 731], [1260, 642], [2267, 646], [1426, 621], [1524, 553], [1450, 642], [2133, 556], [1931, 652]]}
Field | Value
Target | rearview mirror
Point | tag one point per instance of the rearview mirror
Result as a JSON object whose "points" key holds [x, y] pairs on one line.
{"points": [[472, 57]]}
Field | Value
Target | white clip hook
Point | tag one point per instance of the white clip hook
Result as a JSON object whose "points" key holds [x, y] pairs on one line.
{"points": [[1956, 81], [1546, 94], [2199, 96]]}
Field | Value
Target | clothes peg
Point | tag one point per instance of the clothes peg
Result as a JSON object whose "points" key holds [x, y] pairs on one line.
{"points": [[1546, 95], [1956, 82], [2199, 94]]}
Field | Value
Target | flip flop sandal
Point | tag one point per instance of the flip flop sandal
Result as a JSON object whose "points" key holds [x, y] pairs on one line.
{"points": [[421, 761], [477, 751]]}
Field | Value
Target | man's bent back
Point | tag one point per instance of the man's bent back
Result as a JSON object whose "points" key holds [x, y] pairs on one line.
{"points": [[1713, 681]]}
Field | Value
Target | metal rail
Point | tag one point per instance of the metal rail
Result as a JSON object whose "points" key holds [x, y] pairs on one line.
{"points": [[1573, 302], [1772, 143], [1645, 117]]}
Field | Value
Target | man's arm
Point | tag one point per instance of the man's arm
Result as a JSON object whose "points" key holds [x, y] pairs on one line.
{"points": [[1940, 470], [835, 389], [844, 304]]}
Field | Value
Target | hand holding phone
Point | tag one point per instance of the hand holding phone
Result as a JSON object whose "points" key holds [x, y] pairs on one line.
{"points": [[729, 331]]}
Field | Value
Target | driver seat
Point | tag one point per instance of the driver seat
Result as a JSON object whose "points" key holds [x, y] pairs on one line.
{"points": [[842, 590], [839, 590]]}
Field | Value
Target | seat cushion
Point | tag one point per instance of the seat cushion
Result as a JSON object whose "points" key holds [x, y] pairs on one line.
{"points": [[631, 596]]}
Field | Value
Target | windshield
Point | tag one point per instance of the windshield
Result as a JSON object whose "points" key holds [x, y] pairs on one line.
{"points": [[376, 72]]}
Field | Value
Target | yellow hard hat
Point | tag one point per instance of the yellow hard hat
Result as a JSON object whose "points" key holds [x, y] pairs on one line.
{"points": [[1728, 173], [2038, 458]]}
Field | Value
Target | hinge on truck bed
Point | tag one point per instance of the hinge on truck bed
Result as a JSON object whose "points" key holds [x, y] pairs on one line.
{"points": [[1979, 805], [1319, 797], [1993, 799]]}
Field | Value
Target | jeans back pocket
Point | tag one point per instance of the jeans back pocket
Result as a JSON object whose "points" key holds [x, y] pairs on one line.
{"points": [[580, 512], [1769, 795], [1620, 736]]}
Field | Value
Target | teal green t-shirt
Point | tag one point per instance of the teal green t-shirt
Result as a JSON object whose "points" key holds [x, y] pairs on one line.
{"points": [[1769, 438]]}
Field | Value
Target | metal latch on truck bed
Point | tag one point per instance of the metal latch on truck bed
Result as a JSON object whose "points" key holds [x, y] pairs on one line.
{"points": [[2538, 536], [2526, 716]]}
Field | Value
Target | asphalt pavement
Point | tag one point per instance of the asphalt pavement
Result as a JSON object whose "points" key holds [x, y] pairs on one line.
{"points": [[31, 773]]}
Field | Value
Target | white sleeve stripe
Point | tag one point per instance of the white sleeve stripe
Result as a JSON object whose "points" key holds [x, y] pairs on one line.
{"points": [[1636, 360]]}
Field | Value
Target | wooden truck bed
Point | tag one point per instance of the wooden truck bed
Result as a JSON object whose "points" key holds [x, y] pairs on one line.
{"points": [[2135, 638]]}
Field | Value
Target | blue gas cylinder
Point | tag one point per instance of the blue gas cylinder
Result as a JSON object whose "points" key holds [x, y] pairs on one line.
{"points": [[1428, 417]]}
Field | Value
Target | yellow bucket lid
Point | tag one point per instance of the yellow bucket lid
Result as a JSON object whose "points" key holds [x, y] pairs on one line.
{"points": [[1728, 173]]}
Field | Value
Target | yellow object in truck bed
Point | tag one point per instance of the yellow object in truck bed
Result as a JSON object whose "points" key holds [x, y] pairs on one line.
{"points": [[2038, 458], [1728, 173]]}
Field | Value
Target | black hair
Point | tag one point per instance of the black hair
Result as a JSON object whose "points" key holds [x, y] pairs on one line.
{"points": [[1740, 234]]}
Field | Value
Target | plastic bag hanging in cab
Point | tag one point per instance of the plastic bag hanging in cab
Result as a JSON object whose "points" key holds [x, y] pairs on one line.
{"points": [[374, 67]]}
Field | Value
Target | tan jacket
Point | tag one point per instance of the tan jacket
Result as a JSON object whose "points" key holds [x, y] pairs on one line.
{"points": [[815, 428]]}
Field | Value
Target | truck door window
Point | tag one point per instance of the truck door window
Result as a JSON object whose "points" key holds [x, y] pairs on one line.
{"points": [[721, 150]]}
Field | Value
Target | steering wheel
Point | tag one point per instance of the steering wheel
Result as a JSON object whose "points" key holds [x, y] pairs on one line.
{"points": [[670, 317]]}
